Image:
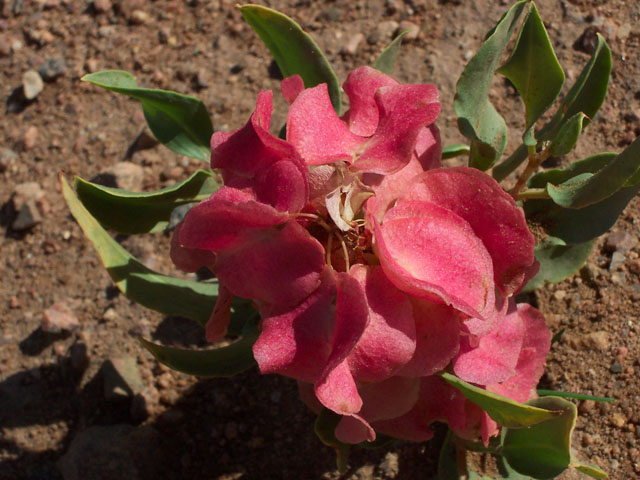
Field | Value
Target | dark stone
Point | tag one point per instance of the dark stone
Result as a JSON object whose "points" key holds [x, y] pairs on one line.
{"points": [[52, 69]]}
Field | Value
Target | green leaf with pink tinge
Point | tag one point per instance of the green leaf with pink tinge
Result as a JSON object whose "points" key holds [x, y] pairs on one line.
{"points": [[505, 411]]}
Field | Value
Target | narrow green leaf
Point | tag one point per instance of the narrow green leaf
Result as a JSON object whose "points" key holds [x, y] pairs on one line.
{"points": [[386, 62], [586, 96], [606, 182], [447, 460], [455, 150], [168, 295], [577, 396], [219, 362], [534, 70], [588, 469], [505, 411], [543, 450], [179, 121], [555, 339], [132, 212], [294, 50], [558, 261], [325, 426], [478, 120], [568, 135]]}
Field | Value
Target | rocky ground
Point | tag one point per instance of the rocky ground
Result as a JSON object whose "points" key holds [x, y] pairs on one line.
{"points": [[80, 399]]}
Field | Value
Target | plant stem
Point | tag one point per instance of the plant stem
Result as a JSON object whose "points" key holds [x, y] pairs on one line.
{"points": [[535, 159], [461, 460], [533, 193]]}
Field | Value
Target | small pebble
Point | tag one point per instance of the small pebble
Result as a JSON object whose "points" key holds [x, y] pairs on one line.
{"points": [[32, 84], [353, 42], [102, 6], [30, 138], [617, 260], [586, 406], [598, 340], [139, 17], [413, 30], [91, 65], [618, 420], [52, 69], [59, 317], [28, 216], [620, 241]]}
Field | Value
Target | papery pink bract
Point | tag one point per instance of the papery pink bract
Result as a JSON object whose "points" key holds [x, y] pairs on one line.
{"points": [[389, 341], [247, 159], [395, 118], [311, 341], [530, 366], [383, 400], [189, 259], [361, 86], [429, 252], [491, 213], [373, 268], [437, 338], [492, 358]]}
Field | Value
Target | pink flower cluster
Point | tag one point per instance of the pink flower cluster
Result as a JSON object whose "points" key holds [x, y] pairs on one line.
{"points": [[372, 267]]}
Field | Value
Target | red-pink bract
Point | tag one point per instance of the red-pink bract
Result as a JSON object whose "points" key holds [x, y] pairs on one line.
{"points": [[373, 267]]}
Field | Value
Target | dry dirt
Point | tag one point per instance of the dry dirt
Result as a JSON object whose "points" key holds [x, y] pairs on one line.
{"points": [[253, 427]]}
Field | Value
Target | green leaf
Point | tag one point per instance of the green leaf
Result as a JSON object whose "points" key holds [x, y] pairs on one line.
{"points": [[558, 261], [534, 70], [588, 469], [179, 121], [557, 337], [577, 225], [218, 362], [509, 473], [504, 411], [577, 396], [589, 90], [568, 135], [168, 295], [556, 176], [386, 62], [543, 450], [294, 50], [478, 120], [586, 96], [602, 185], [447, 460], [131, 212], [455, 150], [325, 426]]}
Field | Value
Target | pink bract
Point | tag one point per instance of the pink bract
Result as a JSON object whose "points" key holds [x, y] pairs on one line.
{"points": [[373, 267]]}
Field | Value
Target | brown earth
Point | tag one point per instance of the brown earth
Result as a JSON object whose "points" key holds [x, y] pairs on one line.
{"points": [[251, 426]]}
